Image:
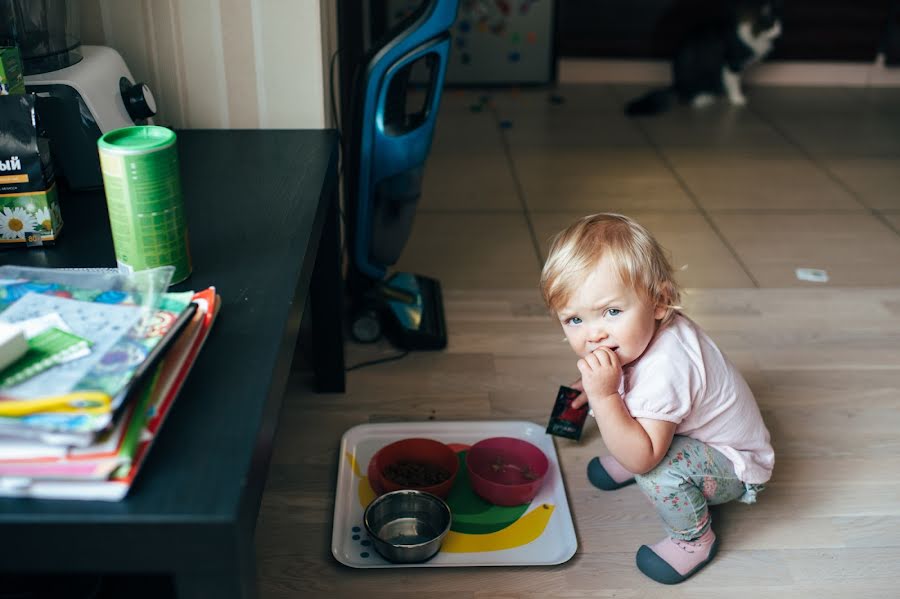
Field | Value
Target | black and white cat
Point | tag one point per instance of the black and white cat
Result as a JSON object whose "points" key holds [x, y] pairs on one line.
{"points": [[712, 58]]}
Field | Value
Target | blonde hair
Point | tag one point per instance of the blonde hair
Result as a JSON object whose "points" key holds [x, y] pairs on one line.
{"points": [[638, 258]]}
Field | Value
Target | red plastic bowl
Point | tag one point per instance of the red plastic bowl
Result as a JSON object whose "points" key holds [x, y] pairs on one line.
{"points": [[506, 471], [422, 451]]}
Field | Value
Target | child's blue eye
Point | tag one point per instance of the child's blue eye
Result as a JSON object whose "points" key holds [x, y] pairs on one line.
{"points": [[573, 320], [613, 311]]}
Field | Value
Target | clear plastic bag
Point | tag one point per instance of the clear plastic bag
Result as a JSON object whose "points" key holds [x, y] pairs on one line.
{"points": [[123, 318], [145, 286]]}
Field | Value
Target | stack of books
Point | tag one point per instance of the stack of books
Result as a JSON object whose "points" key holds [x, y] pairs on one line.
{"points": [[90, 366]]}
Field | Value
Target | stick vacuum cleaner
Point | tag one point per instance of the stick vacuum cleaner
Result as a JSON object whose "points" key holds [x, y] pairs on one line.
{"points": [[389, 144]]}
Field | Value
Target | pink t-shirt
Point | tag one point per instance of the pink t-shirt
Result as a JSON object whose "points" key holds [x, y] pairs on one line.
{"points": [[682, 377]]}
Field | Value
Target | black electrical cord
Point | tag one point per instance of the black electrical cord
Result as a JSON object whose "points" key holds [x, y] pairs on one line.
{"points": [[338, 125], [334, 112], [399, 356], [340, 134]]}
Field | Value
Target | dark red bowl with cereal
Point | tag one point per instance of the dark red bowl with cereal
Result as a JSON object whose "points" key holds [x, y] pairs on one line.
{"points": [[416, 463]]}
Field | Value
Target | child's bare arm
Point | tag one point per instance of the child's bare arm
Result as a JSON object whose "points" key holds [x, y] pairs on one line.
{"points": [[638, 445]]}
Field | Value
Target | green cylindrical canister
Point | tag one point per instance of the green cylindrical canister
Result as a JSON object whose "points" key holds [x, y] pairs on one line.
{"points": [[143, 195]]}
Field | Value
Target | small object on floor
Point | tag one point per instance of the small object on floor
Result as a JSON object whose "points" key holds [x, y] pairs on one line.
{"points": [[557, 99], [814, 275], [671, 561], [566, 421], [607, 474], [480, 104]]}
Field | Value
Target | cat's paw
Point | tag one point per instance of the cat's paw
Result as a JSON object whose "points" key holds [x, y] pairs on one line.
{"points": [[703, 100]]}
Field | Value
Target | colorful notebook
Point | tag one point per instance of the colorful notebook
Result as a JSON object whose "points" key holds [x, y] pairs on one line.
{"points": [[127, 342], [106, 470]]}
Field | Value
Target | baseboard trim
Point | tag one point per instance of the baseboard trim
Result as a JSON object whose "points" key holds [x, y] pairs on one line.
{"points": [[823, 74]]}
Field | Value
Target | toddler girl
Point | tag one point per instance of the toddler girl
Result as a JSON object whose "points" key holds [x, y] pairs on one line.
{"points": [[675, 414]]}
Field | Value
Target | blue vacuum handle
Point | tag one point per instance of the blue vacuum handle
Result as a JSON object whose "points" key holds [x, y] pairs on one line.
{"points": [[396, 150]]}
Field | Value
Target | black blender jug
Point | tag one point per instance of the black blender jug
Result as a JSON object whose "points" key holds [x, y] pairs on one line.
{"points": [[82, 91], [47, 32]]}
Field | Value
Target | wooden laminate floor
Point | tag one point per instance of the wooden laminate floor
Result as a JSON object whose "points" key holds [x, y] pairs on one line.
{"points": [[741, 198]]}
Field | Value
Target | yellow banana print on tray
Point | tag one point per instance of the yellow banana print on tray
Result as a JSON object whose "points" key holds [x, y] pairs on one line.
{"points": [[524, 530], [366, 494], [521, 532]]}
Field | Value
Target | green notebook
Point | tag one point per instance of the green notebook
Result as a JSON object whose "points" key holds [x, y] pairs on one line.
{"points": [[45, 350]]}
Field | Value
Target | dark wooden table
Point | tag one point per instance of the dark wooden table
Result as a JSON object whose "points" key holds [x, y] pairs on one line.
{"points": [[263, 218]]}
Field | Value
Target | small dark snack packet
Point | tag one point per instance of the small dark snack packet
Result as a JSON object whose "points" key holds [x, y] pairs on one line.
{"points": [[566, 421]]}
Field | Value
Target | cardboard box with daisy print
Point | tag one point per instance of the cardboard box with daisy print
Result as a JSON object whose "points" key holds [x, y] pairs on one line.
{"points": [[29, 205]]}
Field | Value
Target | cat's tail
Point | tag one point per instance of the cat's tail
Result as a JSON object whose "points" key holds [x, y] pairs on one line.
{"points": [[653, 102]]}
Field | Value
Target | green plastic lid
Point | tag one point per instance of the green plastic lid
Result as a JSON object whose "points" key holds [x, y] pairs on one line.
{"points": [[140, 139]]}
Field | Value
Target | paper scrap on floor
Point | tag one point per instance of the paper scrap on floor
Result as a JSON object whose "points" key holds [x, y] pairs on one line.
{"points": [[814, 275]]}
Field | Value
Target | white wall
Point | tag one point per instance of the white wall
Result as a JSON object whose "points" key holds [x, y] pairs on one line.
{"points": [[223, 63]]}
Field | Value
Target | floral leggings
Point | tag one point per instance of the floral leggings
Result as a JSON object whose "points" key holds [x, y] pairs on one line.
{"points": [[689, 478]]}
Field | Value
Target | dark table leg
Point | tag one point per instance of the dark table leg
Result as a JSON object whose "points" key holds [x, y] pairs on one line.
{"points": [[236, 580], [221, 585], [326, 304]]}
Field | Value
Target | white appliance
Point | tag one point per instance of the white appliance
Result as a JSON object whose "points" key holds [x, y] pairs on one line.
{"points": [[106, 86], [79, 103]]}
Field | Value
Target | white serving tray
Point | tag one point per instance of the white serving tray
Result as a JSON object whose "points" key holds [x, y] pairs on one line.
{"points": [[544, 535]]}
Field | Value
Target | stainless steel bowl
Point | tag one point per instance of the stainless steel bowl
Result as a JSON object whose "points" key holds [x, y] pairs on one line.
{"points": [[407, 526]]}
